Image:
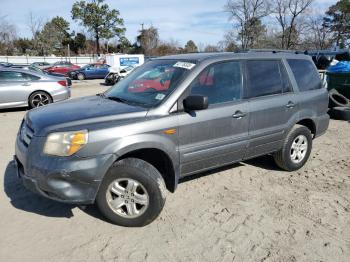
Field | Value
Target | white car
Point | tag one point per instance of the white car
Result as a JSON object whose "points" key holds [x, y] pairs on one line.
{"points": [[117, 74]]}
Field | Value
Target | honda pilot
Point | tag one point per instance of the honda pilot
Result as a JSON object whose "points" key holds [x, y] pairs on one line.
{"points": [[173, 117]]}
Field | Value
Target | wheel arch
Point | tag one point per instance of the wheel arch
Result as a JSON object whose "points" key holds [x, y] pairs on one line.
{"points": [[160, 160], [309, 123]]}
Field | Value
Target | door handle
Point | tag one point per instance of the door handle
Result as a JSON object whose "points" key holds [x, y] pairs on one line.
{"points": [[290, 104], [26, 84], [239, 115]]}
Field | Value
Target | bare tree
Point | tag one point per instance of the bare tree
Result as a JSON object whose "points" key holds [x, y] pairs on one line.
{"points": [[7, 36], [148, 39], [228, 44], [287, 12], [247, 15], [319, 35], [35, 25]]}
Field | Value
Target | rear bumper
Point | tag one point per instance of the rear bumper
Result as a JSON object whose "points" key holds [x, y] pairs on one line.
{"points": [[61, 95], [322, 123]]}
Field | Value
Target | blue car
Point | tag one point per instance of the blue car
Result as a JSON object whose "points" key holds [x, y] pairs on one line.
{"points": [[91, 71]]}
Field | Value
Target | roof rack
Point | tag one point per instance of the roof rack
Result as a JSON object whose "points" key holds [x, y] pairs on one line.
{"points": [[275, 51]]}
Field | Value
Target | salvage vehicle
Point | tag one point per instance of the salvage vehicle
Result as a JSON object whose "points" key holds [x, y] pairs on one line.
{"points": [[124, 150], [115, 74], [23, 88], [61, 67], [91, 71]]}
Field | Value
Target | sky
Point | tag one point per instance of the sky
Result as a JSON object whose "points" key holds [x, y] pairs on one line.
{"points": [[203, 21]]}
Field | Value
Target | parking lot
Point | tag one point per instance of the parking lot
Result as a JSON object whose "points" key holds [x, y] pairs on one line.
{"points": [[250, 211]]}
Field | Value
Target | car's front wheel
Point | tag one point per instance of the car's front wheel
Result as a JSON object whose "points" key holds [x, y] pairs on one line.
{"points": [[80, 76], [296, 149], [132, 193]]}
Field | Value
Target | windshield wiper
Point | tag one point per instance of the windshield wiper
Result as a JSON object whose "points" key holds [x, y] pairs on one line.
{"points": [[117, 99], [122, 100]]}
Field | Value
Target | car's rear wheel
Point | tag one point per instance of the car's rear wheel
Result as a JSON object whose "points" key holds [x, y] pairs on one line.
{"points": [[39, 98], [132, 193], [296, 149], [80, 76]]}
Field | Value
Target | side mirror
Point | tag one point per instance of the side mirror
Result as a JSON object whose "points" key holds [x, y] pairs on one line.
{"points": [[122, 71], [195, 102]]}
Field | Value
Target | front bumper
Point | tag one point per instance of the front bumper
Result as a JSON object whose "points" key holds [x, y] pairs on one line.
{"points": [[65, 179]]}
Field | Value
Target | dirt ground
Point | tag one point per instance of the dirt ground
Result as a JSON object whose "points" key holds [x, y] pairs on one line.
{"points": [[250, 211]]}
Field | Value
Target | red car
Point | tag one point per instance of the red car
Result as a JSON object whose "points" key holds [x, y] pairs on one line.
{"points": [[62, 67]]}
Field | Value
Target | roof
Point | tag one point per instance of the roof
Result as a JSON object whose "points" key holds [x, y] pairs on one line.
{"points": [[204, 56], [27, 71]]}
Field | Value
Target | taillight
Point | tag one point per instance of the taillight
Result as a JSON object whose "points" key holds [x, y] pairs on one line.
{"points": [[62, 83]]}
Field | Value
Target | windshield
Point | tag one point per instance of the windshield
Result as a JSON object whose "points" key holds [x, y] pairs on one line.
{"points": [[36, 69], [87, 66], [151, 83]]}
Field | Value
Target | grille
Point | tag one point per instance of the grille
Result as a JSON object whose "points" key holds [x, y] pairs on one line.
{"points": [[26, 134]]}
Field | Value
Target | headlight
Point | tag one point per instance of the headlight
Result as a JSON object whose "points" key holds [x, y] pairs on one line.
{"points": [[65, 143]]}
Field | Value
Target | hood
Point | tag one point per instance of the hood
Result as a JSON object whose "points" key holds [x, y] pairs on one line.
{"points": [[80, 112]]}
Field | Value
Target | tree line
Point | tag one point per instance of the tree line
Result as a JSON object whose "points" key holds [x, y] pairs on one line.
{"points": [[273, 24]]}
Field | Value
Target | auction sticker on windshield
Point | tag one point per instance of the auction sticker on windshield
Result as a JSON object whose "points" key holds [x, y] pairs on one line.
{"points": [[185, 65], [160, 96]]}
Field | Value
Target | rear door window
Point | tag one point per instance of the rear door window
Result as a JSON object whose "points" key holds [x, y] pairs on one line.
{"points": [[305, 74], [264, 78]]}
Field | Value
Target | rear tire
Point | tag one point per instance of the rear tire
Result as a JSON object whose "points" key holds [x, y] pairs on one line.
{"points": [[39, 98], [132, 194], [296, 149]]}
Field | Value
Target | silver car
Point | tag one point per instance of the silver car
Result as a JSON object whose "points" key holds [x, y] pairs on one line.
{"points": [[22, 88]]}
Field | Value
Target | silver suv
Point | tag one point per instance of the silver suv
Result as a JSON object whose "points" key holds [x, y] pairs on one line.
{"points": [[172, 117]]}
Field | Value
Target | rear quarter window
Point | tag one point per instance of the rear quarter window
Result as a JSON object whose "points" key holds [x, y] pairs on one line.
{"points": [[305, 74]]}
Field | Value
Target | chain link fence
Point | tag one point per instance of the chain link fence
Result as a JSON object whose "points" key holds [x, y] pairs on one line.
{"points": [[78, 60]]}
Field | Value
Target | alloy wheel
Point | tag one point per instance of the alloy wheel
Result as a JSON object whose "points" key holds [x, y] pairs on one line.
{"points": [[127, 198], [40, 99], [299, 149]]}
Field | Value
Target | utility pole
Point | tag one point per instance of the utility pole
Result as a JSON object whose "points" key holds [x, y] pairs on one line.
{"points": [[142, 24], [68, 52]]}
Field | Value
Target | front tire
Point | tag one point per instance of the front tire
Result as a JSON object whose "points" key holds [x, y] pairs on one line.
{"points": [[132, 194], [80, 76], [296, 149]]}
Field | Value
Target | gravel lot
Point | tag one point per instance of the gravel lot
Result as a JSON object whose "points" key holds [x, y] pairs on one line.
{"points": [[250, 211]]}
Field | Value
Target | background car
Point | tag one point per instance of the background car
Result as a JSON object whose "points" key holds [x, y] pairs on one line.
{"points": [[38, 70], [5, 64], [22, 88], [91, 71], [41, 65], [62, 67], [115, 74]]}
